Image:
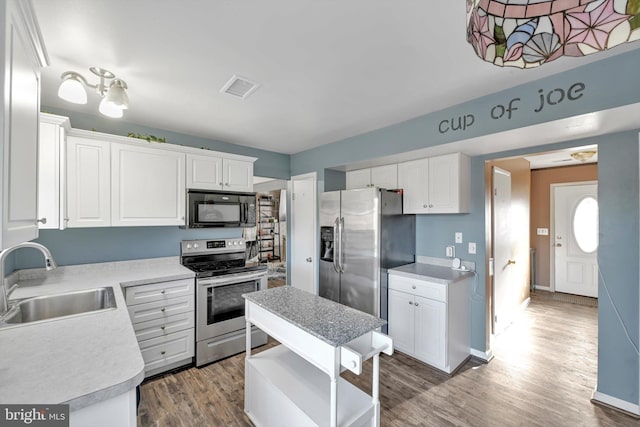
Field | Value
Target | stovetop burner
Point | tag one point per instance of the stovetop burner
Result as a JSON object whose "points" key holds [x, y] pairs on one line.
{"points": [[216, 257]]}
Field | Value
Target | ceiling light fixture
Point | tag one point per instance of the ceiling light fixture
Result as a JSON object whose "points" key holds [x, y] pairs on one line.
{"points": [[583, 156], [529, 33], [114, 94]]}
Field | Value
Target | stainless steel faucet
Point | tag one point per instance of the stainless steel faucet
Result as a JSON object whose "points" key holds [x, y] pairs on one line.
{"points": [[49, 264]]}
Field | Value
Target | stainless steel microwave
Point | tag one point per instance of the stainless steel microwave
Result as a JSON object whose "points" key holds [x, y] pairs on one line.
{"points": [[208, 209]]}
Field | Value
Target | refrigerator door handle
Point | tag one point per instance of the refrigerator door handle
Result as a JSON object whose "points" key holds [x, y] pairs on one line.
{"points": [[336, 249], [341, 260]]}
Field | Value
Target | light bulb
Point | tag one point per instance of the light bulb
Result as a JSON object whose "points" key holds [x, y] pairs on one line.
{"points": [[72, 90], [109, 109]]}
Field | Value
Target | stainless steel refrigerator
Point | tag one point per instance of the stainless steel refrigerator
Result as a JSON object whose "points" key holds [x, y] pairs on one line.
{"points": [[363, 233]]}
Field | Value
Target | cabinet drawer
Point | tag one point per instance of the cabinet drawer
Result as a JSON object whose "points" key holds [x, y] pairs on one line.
{"points": [[423, 288], [159, 291], [164, 326], [161, 351], [160, 309]]}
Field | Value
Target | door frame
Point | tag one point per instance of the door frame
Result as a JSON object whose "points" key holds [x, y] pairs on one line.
{"points": [[552, 227], [314, 221]]}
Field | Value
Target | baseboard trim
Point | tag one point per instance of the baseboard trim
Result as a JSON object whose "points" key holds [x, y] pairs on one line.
{"points": [[525, 304], [542, 288], [600, 398], [485, 356]]}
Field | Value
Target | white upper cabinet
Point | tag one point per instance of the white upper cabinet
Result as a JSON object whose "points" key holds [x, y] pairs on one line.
{"points": [[379, 176], [147, 186], [88, 182], [101, 180], [23, 55], [436, 184], [219, 172], [237, 175], [204, 172], [51, 161], [360, 178]]}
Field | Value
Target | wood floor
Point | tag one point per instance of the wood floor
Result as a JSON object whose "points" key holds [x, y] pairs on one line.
{"points": [[543, 374]]}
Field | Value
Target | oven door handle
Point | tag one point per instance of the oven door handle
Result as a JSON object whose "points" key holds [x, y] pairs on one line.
{"points": [[230, 279]]}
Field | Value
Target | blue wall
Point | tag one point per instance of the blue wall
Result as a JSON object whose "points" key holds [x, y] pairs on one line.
{"points": [[607, 84]]}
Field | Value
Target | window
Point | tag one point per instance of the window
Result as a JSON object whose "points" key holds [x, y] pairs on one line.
{"points": [[585, 224]]}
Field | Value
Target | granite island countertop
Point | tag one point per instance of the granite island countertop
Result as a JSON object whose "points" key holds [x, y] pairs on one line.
{"points": [[334, 323], [434, 273], [84, 359]]}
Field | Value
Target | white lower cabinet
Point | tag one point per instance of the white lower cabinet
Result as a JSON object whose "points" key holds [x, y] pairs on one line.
{"points": [[163, 317], [431, 321]]}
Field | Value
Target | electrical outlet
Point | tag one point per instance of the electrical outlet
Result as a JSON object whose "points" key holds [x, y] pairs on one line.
{"points": [[472, 248], [458, 237], [450, 251]]}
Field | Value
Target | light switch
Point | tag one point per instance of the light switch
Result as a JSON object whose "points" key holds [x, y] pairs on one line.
{"points": [[472, 248], [458, 237], [542, 232]]}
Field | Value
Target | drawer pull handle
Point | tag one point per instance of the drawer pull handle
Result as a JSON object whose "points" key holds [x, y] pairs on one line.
{"points": [[410, 302], [162, 327], [162, 352], [417, 304], [413, 286], [162, 309], [163, 292]]}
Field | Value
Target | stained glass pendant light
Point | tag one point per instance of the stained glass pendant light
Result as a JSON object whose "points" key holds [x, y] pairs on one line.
{"points": [[529, 33]]}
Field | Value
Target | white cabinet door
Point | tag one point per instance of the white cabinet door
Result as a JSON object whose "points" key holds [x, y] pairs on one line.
{"points": [[412, 178], [204, 172], [88, 182], [444, 183], [401, 320], [358, 179], [385, 176], [238, 175], [51, 172], [430, 331], [20, 80], [49, 176], [147, 186]]}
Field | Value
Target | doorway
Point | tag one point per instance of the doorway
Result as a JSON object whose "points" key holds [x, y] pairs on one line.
{"points": [[268, 242]]}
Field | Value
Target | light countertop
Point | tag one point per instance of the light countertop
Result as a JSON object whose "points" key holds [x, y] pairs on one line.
{"points": [[434, 273], [84, 359], [334, 323]]}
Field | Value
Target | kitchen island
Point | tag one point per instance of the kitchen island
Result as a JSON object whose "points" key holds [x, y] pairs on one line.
{"points": [[298, 382]]}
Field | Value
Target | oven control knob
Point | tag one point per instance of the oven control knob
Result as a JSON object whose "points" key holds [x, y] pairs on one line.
{"points": [[188, 245], [195, 246]]}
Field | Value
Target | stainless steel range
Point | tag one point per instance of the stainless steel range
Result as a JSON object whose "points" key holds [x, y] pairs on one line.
{"points": [[221, 278]]}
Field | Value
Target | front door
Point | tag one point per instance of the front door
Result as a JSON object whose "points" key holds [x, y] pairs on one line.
{"points": [[504, 290], [576, 239]]}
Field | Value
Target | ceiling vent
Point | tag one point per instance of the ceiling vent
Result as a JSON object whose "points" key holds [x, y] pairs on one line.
{"points": [[239, 86]]}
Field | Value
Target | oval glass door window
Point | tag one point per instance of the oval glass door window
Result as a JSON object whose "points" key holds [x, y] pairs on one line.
{"points": [[585, 224]]}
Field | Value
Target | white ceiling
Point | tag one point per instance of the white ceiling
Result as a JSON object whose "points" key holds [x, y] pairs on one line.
{"points": [[328, 69]]}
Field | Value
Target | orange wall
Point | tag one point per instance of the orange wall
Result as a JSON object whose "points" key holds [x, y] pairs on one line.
{"points": [[541, 180]]}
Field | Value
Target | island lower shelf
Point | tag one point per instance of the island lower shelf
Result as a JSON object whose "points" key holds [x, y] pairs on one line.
{"points": [[285, 389]]}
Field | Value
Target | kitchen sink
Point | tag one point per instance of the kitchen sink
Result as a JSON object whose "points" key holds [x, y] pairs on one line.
{"points": [[55, 306]]}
